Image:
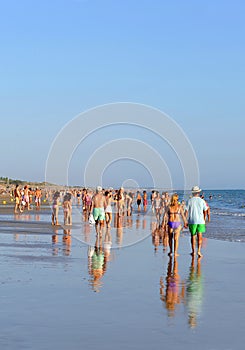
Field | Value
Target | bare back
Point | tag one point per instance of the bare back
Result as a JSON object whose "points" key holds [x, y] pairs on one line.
{"points": [[99, 200]]}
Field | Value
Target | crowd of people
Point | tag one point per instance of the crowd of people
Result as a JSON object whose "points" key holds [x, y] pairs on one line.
{"points": [[171, 215], [99, 205], [25, 197]]}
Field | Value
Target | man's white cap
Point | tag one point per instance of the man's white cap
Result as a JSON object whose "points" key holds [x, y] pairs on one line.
{"points": [[98, 188]]}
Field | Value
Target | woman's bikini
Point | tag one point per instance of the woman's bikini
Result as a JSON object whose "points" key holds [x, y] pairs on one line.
{"points": [[174, 224]]}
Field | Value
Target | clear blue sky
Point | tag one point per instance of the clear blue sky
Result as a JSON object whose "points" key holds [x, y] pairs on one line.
{"points": [[61, 57]]}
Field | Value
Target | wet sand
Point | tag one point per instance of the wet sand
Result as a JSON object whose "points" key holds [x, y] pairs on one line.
{"points": [[52, 297]]}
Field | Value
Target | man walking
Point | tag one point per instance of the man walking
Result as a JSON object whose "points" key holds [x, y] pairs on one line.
{"points": [[98, 206], [195, 213]]}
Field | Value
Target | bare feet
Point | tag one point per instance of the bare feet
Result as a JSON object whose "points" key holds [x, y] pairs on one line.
{"points": [[176, 254], [200, 255]]}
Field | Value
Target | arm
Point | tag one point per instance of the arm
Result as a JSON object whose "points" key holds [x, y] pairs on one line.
{"points": [[92, 206], [166, 215], [183, 217], [105, 202]]}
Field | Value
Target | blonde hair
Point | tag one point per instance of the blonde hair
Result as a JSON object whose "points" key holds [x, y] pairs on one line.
{"points": [[174, 200]]}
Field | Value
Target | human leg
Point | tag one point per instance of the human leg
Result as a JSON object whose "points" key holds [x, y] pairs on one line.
{"points": [[69, 219], [199, 244], [193, 244], [193, 232], [170, 241], [176, 240], [109, 219]]}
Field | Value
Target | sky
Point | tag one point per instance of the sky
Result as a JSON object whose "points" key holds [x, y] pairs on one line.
{"points": [[60, 58]]}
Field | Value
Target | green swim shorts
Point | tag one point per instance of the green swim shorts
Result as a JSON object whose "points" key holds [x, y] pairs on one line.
{"points": [[197, 228], [99, 214]]}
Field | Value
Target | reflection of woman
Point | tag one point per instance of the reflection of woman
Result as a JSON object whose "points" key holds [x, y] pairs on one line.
{"points": [[194, 292], [67, 242], [173, 212], [173, 293]]}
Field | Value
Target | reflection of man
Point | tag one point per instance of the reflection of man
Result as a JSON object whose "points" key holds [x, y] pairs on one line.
{"points": [[173, 293], [195, 211], [96, 263], [194, 292]]}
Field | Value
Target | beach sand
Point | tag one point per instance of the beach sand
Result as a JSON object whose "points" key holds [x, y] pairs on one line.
{"points": [[51, 300]]}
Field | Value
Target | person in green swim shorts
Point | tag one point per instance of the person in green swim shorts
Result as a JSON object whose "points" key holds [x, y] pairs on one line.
{"points": [[196, 208], [98, 206]]}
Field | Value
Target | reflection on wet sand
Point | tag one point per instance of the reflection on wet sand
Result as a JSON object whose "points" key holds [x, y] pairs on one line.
{"points": [[98, 257], [194, 292], [118, 224], [121, 225], [172, 292], [66, 242], [159, 236]]}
